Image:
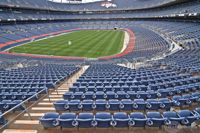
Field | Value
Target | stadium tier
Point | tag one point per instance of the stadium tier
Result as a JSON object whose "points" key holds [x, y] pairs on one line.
{"points": [[110, 65], [47, 4], [180, 10]]}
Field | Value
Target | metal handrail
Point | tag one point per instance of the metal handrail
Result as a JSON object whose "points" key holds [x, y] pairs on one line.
{"points": [[22, 102], [25, 108]]}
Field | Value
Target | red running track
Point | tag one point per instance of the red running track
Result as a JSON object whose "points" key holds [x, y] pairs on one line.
{"points": [[128, 49]]}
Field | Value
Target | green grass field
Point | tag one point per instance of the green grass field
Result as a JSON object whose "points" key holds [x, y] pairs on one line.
{"points": [[88, 43]]}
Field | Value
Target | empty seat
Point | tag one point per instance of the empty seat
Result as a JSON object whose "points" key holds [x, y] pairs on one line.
{"points": [[152, 104], [2, 119], [139, 104], [87, 105], [68, 120], [114, 105], [86, 120], [101, 105], [103, 119], [165, 103], [138, 119], [50, 120], [61, 105], [74, 105], [173, 118], [189, 117], [155, 119], [120, 120], [126, 105]]}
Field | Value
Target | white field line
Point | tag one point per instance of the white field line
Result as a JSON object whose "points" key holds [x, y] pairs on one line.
{"points": [[39, 40], [126, 41]]}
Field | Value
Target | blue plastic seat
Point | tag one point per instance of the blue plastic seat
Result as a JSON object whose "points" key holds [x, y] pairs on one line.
{"points": [[74, 105], [86, 120], [154, 119], [132, 95], [111, 95], [88, 95], [114, 105], [2, 119], [139, 104], [21, 96], [120, 120], [162, 93], [32, 95], [189, 117], [99, 87], [141, 95], [67, 120], [122, 95], [4, 105], [50, 120], [189, 99], [152, 104], [17, 104], [108, 88], [179, 101], [61, 105], [165, 104], [100, 95], [87, 105], [91, 88], [197, 113], [173, 117], [126, 105], [103, 119], [138, 119], [101, 105], [78, 95], [68, 96], [151, 94]]}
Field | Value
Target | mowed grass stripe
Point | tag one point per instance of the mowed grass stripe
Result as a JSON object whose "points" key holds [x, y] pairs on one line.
{"points": [[112, 48], [93, 45], [101, 44], [88, 43], [52, 44], [82, 46], [64, 49], [41, 45]]}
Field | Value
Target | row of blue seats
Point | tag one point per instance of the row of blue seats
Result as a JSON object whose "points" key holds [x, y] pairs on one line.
{"points": [[2, 119], [127, 74], [125, 104], [29, 85], [124, 95], [134, 83], [19, 95], [8, 104], [99, 81], [178, 89], [22, 90], [120, 119]]}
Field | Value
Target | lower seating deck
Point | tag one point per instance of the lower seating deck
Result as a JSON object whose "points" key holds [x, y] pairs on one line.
{"points": [[24, 123], [84, 116]]}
